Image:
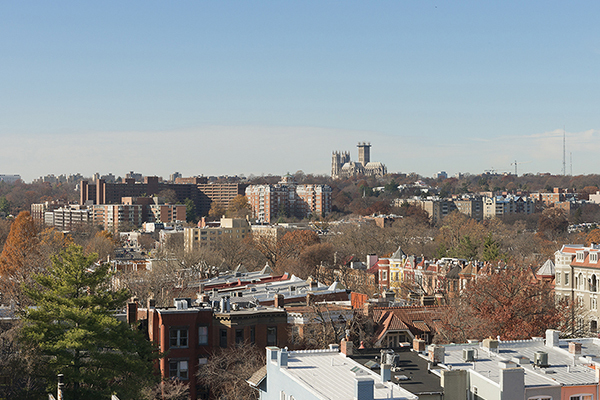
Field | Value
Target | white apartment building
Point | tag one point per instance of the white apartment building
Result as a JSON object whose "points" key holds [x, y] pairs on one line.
{"points": [[498, 206], [576, 280]]}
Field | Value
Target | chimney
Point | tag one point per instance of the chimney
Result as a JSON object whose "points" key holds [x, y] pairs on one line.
{"points": [[363, 388], [490, 344], [436, 354], [347, 347], [574, 347], [151, 303], [368, 309], [552, 337], [279, 301], [512, 382], [272, 353], [132, 312], [309, 299], [386, 372], [418, 345], [282, 359]]}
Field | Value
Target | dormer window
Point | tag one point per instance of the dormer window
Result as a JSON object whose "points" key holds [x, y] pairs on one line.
{"points": [[593, 257], [580, 256]]}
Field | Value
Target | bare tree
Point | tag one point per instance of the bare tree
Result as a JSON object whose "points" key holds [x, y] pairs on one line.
{"points": [[227, 370], [167, 390]]}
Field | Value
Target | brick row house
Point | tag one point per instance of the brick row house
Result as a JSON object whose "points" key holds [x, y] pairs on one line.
{"points": [[188, 334]]}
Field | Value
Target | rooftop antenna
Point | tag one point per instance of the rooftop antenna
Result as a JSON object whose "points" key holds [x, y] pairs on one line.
{"points": [[564, 158]]}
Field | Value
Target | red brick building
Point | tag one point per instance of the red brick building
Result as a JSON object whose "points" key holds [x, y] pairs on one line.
{"points": [[189, 335], [288, 199]]}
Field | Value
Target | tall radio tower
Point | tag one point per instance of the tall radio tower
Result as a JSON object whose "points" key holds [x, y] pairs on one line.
{"points": [[564, 154]]}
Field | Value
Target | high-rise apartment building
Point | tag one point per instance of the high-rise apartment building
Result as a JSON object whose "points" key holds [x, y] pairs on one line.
{"points": [[288, 199], [69, 217]]}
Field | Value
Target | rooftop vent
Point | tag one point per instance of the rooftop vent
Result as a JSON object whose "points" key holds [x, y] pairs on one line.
{"points": [[469, 355], [540, 359]]}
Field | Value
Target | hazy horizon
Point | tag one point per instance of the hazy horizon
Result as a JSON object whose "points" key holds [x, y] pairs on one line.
{"points": [[225, 88]]}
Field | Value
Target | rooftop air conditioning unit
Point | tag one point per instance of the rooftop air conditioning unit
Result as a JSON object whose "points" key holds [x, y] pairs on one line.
{"points": [[469, 355], [540, 359]]}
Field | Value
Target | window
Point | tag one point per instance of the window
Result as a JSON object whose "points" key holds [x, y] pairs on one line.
{"points": [[593, 326], [566, 278], [178, 369], [223, 338], [582, 397], [594, 303], [271, 336], [203, 335], [558, 278], [202, 361], [178, 338], [239, 336], [540, 398]]}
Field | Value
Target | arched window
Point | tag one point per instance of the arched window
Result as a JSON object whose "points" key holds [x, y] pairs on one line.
{"points": [[580, 282], [593, 283]]}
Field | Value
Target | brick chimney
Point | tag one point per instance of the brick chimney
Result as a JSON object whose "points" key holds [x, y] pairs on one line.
{"points": [[346, 347], [574, 347], [418, 345], [132, 308]]}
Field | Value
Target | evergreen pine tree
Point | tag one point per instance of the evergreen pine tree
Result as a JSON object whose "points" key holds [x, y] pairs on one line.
{"points": [[72, 324]]}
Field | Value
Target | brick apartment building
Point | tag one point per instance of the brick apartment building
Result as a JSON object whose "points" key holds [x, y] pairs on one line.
{"points": [[195, 189], [286, 198]]}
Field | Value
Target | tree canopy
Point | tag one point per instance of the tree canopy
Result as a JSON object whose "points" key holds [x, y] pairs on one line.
{"points": [[73, 325], [510, 303]]}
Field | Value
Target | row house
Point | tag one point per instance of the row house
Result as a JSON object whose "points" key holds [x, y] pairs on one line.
{"points": [[188, 333], [577, 272], [395, 326], [536, 369], [414, 276]]}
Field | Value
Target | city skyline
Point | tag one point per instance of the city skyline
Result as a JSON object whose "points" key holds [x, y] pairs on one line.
{"points": [[271, 87]]}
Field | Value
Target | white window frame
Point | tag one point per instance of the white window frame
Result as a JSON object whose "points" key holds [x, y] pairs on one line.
{"points": [[182, 369], [181, 341], [201, 336], [583, 396]]}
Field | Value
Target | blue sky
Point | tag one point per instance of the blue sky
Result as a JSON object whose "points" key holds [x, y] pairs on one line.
{"points": [[270, 87]]}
